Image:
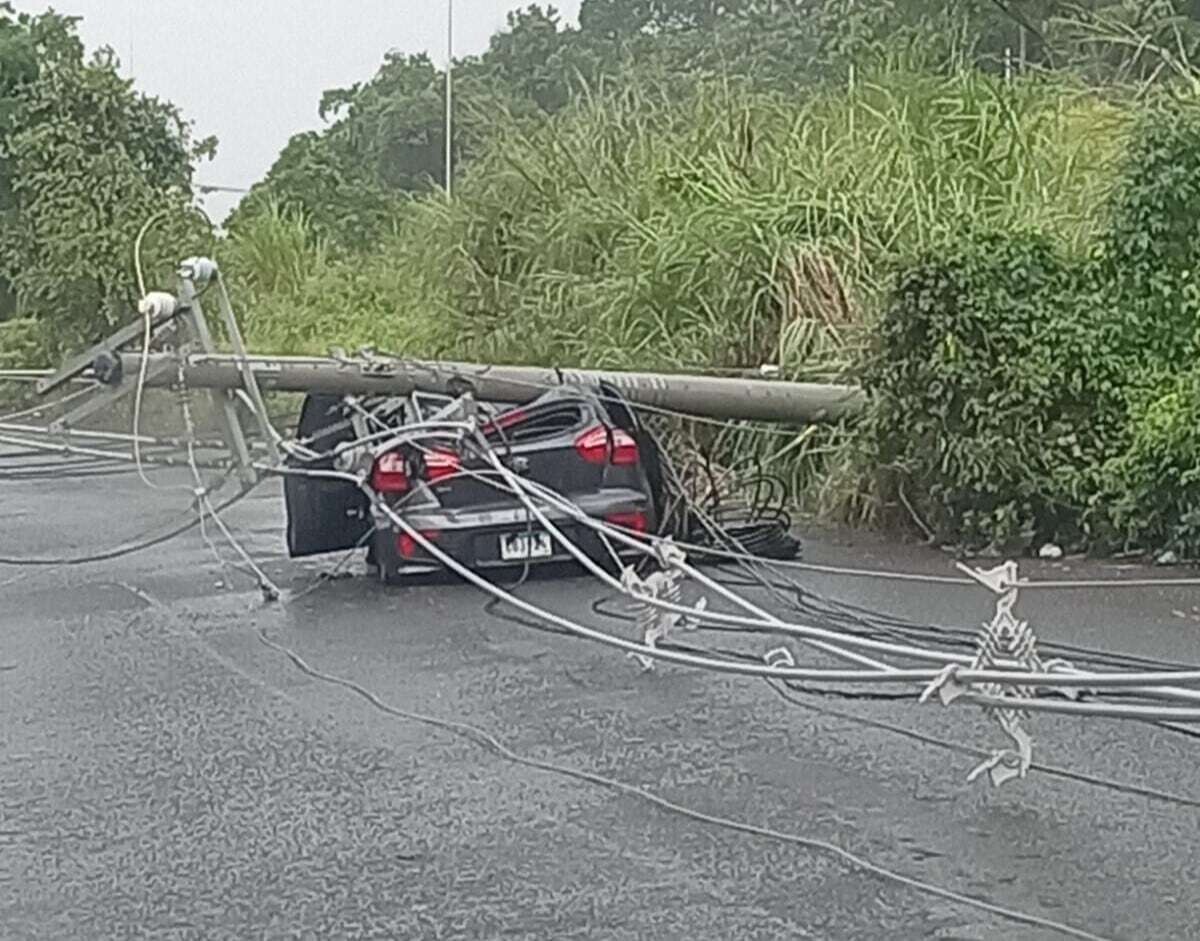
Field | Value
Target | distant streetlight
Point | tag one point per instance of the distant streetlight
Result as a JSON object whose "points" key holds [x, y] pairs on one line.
{"points": [[449, 93]]}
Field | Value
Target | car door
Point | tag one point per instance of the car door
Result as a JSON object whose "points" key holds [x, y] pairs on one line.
{"points": [[324, 515]]}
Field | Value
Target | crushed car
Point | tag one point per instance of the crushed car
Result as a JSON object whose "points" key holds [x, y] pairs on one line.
{"points": [[585, 444]]}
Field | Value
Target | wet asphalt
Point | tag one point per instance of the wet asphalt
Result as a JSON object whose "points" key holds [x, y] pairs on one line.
{"points": [[164, 773]]}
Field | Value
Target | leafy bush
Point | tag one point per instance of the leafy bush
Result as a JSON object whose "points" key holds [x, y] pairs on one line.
{"points": [[1025, 393], [1154, 486], [993, 403], [24, 341], [1152, 241]]}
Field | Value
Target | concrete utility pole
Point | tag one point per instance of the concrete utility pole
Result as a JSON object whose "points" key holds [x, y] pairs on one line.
{"points": [[711, 396]]}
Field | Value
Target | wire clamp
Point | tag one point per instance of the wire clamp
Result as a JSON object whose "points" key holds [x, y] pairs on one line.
{"points": [[946, 685], [669, 555], [1008, 763]]}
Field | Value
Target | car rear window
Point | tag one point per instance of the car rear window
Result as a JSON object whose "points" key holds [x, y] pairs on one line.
{"points": [[538, 423]]}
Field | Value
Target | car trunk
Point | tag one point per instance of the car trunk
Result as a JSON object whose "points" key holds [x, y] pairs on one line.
{"points": [[539, 444]]}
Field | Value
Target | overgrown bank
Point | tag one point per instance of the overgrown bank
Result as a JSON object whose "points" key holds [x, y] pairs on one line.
{"points": [[1007, 267], [1024, 392]]}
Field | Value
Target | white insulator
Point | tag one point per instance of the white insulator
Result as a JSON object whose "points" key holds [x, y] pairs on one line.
{"points": [[199, 270], [157, 304]]}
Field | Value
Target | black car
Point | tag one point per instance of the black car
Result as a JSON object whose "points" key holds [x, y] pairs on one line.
{"points": [[584, 444]]}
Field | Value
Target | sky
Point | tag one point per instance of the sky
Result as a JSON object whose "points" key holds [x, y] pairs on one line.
{"points": [[252, 72]]}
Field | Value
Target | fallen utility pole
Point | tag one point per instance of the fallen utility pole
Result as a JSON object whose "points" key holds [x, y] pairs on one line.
{"points": [[709, 396]]}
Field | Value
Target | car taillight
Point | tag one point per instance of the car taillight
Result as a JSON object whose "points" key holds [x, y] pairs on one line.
{"points": [[441, 464], [390, 473], [602, 445], [634, 519], [625, 449], [407, 546]]}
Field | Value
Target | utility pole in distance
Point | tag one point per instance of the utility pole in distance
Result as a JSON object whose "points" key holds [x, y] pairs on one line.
{"points": [[449, 95]]}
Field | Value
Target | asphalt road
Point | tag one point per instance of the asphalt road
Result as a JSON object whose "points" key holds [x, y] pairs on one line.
{"points": [[167, 774]]}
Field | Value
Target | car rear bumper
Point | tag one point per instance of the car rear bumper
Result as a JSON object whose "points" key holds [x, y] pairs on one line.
{"points": [[474, 537]]}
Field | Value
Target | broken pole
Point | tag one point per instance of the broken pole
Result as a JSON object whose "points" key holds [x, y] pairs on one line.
{"points": [[709, 396]]}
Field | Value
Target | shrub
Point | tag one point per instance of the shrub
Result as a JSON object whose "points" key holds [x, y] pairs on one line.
{"points": [[1152, 490], [1152, 242], [24, 341], [994, 395]]}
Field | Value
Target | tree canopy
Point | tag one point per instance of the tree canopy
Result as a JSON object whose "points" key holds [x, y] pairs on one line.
{"points": [[385, 138], [84, 162]]}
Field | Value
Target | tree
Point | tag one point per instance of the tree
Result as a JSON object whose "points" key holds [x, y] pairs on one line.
{"points": [[84, 162], [386, 136], [386, 140]]}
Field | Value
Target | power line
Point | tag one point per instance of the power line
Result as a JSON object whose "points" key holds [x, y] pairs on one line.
{"points": [[217, 188], [486, 740]]}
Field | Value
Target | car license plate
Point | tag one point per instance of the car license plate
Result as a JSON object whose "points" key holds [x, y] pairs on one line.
{"points": [[517, 547]]}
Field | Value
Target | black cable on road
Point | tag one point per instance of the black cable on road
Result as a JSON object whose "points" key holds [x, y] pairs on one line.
{"points": [[488, 741], [123, 550], [1052, 770]]}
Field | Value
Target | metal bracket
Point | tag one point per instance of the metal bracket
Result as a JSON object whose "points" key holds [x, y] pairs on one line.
{"points": [[223, 401], [249, 382], [78, 363], [1006, 642], [102, 400], [655, 623]]}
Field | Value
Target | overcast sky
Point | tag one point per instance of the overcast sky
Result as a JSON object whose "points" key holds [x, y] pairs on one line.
{"points": [[252, 71]]}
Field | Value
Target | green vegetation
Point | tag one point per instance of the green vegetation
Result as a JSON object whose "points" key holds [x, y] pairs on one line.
{"points": [[84, 161], [852, 191]]}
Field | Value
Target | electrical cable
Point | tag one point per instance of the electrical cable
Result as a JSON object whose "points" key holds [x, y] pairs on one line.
{"points": [[147, 311], [1018, 678], [983, 676], [969, 675], [485, 739], [782, 689], [856, 618], [128, 548], [850, 616], [47, 406], [885, 575], [1087, 708]]}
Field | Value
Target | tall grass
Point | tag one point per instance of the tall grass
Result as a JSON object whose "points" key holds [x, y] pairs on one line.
{"points": [[731, 228]]}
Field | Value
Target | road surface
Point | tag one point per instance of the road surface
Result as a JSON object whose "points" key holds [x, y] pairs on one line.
{"points": [[167, 774]]}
